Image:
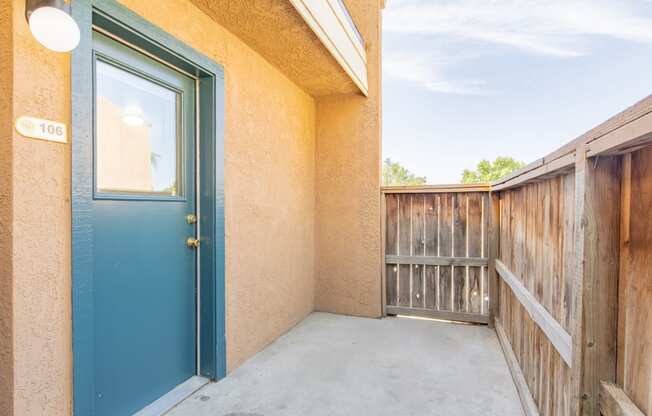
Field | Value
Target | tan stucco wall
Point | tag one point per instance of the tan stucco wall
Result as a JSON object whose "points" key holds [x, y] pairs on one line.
{"points": [[41, 231], [348, 186], [6, 284], [270, 194]]}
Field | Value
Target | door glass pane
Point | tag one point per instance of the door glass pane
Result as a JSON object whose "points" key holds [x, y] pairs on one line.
{"points": [[137, 134]]}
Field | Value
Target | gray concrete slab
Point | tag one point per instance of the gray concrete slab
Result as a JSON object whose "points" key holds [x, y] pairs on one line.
{"points": [[332, 365]]}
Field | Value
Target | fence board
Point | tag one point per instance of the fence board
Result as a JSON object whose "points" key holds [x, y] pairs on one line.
{"points": [[404, 285], [391, 277], [445, 287], [432, 224], [417, 286], [404, 224], [459, 289], [431, 287], [445, 225], [391, 224], [418, 226], [475, 289], [637, 360]]}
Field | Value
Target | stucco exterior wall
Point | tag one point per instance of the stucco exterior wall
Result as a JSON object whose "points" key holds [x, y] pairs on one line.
{"points": [[348, 156], [40, 231], [270, 194], [6, 283]]}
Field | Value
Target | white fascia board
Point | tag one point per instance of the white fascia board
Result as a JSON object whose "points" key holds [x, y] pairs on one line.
{"points": [[329, 20]]}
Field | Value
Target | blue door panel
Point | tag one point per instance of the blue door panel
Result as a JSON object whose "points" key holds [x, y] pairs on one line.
{"points": [[144, 274]]}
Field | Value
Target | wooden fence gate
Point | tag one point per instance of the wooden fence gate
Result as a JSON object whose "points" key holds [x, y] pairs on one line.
{"points": [[436, 252]]}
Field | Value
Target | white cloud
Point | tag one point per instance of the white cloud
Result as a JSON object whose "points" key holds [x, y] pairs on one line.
{"points": [[427, 72], [559, 29], [548, 27]]}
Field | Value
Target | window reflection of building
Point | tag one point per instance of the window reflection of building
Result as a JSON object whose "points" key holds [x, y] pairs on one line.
{"points": [[124, 151]]}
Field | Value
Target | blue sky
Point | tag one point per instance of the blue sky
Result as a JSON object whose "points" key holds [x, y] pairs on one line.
{"points": [[465, 80]]}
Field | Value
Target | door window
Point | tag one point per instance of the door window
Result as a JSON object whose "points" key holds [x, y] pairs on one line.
{"points": [[137, 135]]}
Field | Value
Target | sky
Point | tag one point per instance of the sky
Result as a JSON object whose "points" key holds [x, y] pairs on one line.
{"points": [[465, 80]]}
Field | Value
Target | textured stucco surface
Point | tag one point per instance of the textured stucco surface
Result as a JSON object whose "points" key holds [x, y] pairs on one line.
{"points": [[276, 30], [40, 231], [269, 168], [6, 284], [348, 187]]}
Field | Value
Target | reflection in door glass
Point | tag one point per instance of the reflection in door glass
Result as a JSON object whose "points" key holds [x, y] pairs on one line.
{"points": [[137, 134]]}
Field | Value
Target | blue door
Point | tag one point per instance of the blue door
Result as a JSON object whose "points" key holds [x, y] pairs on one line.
{"points": [[143, 217]]}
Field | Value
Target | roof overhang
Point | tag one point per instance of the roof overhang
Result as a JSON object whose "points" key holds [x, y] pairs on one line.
{"points": [[333, 25], [313, 42]]}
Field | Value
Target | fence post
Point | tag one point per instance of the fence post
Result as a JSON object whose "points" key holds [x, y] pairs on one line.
{"points": [[494, 253], [595, 289]]}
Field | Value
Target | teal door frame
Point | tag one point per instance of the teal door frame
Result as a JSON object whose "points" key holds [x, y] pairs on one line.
{"points": [[111, 17]]}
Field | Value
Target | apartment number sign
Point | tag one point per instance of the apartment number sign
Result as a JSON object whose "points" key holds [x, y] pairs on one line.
{"points": [[38, 128]]}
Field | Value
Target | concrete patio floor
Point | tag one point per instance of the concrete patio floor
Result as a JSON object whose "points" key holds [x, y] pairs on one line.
{"points": [[338, 365]]}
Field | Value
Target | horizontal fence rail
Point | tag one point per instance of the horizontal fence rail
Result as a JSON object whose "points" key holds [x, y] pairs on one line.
{"points": [[436, 253]]}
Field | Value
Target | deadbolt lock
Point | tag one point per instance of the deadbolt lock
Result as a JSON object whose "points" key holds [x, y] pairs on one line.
{"points": [[191, 219], [192, 242]]}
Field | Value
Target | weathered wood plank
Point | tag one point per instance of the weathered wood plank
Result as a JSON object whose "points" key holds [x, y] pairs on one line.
{"points": [[601, 220], [568, 240], [622, 137], [445, 288], [531, 259], [418, 225], [434, 189], [459, 289], [432, 224], [459, 225], [578, 283], [391, 224], [518, 218], [391, 277], [438, 261], [431, 287], [615, 402], [505, 229], [475, 290], [529, 406], [638, 331], [559, 164], [475, 225], [553, 330], [625, 258], [404, 281], [404, 224], [494, 253], [446, 225], [417, 286]]}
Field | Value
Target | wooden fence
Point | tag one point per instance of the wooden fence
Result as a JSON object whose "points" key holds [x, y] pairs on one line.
{"points": [[573, 267], [436, 253], [561, 250]]}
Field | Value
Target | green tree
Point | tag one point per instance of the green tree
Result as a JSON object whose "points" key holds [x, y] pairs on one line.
{"points": [[487, 171], [395, 174]]}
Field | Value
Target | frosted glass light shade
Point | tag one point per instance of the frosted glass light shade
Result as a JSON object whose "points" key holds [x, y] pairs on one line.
{"points": [[54, 28]]}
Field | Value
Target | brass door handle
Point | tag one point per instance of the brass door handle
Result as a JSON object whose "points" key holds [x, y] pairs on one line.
{"points": [[192, 242]]}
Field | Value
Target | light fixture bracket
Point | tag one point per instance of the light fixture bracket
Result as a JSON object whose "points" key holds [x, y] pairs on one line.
{"points": [[31, 5]]}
